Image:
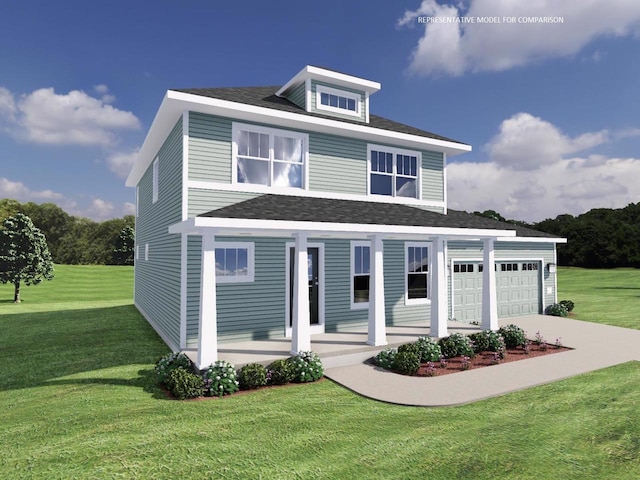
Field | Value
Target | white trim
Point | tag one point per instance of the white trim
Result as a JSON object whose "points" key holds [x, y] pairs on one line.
{"points": [[185, 165], [296, 192], [395, 152], [146, 252], [307, 95], [555, 280], [532, 239], [439, 304], [250, 277], [138, 201], [174, 347], [376, 321], [352, 245], [320, 327], [445, 196], [337, 78], [137, 252], [366, 107], [417, 301], [155, 180], [237, 127], [184, 239], [208, 312], [356, 97]]}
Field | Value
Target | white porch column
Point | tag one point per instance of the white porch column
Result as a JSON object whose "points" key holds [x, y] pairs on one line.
{"points": [[301, 331], [489, 292], [439, 310], [208, 332], [377, 319]]}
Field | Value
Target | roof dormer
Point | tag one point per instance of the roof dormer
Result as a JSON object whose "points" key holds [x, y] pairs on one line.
{"points": [[327, 92]]}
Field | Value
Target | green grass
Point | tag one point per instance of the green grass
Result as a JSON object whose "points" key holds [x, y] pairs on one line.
{"points": [[77, 400], [603, 296]]}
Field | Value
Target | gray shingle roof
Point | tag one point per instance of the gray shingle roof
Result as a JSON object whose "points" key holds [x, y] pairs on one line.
{"points": [[310, 209], [266, 97]]}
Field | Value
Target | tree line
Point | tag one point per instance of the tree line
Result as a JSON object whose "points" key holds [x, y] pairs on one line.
{"points": [[599, 238], [77, 240]]}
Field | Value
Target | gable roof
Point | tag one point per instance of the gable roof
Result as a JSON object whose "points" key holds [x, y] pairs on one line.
{"points": [[266, 97], [312, 209]]}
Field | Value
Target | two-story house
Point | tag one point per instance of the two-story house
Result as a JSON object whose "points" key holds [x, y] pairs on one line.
{"points": [[286, 211]]}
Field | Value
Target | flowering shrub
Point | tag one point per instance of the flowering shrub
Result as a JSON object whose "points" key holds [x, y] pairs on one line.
{"points": [[385, 358], [443, 362], [513, 335], [184, 384], [568, 304], [407, 362], [252, 375], [487, 341], [307, 367], [280, 372], [466, 363], [166, 364], [455, 345], [429, 349], [430, 371], [557, 310], [220, 379]]}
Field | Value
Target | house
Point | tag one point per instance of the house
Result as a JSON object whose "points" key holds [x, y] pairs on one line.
{"points": [[286, 211]]}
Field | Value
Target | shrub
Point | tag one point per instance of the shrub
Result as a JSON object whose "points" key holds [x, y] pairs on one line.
{"points": [[429, 349], [307, 367], [409, 347], [385, 358], [557, 310], [280, 372], [568, 304], [220, 379], [487, 341], [513, 335], [407, 362], [455, 345], [167, 363], [184, 384], [252, 375]]}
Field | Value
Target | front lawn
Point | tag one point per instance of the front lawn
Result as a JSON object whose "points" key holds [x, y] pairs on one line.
{"points": [[77, 400]]}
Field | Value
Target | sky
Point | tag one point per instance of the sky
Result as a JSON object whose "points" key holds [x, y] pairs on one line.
{"points": [[551, 109]]}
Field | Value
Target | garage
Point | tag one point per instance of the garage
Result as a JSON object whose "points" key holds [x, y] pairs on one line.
{"points": [[517, 285]]}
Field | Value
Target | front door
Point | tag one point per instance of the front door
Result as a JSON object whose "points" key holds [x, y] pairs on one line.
{"points": [[313, 279]]}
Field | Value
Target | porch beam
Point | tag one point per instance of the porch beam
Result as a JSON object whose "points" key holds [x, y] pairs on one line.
{"points": [[439, 310], [208, 328], [377, 319], [489, 290], [301, 329]]}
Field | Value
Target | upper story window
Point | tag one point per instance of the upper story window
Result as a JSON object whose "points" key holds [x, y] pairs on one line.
{"points": [[337, 101], [266, 156], [394, 172], [155, 174]]}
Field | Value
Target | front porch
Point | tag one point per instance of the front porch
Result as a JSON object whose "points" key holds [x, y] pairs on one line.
{"points": [[336, 349]]}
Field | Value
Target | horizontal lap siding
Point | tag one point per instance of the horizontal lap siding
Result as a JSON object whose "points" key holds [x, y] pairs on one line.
{"points": [[157, 281], [246, 311], [432, 176], [337, 164], [314, 106], [209, 148], [202, 200]]}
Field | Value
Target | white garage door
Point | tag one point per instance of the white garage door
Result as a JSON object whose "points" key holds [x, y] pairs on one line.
{"points": [[517, 285]]}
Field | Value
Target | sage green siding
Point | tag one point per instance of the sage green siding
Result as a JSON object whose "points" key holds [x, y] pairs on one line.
{"points": [[298, 96], [209, 148], [337, 164], [314, 106], [157, 280], [203, 200], [432, 176]]}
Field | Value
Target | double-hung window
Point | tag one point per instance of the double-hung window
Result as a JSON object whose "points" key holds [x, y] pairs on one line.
{"points": [[360, 274], [417, 273], [234, 262], [394, 172], [266, 156]]}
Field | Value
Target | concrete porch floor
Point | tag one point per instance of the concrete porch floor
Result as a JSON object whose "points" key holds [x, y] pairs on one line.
{"points": [[336, 349]]}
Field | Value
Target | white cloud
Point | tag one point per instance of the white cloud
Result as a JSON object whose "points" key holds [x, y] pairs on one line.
{"points": [[19, 191], [100, 209], [546, 183], [75, 118], [121, 162], [129, 208], [456, 48]]}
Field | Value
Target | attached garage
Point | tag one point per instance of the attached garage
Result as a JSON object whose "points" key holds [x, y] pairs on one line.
{"points": [[518, 285]]}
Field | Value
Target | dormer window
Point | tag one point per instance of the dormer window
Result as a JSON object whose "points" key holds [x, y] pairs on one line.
{"points": [[337, 101]]}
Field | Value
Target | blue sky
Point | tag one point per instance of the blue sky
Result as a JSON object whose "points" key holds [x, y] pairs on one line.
{"points": [[550, 109]]}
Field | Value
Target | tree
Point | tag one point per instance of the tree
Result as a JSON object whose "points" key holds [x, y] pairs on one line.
{"points": [[125, 243], [24, 255]]}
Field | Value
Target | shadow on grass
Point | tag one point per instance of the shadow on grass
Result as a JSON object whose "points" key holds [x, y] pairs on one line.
{"points": [[38, 348]]}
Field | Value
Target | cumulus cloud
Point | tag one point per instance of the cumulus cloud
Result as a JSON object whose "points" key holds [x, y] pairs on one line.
{"points": [[456, 48], [121, 162], [100, 209], [44, 116], [129, 208], [19, 191], [544, 184]]}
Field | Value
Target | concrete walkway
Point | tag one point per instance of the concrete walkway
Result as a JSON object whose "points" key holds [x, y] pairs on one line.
{"points": [[595, 346]]}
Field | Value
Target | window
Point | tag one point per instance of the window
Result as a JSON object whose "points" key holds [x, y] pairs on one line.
{"points": [[394, 172], [155, 181], [417, 272], [265, 156], [464, 268], [360, 274], [234, 262], [338, 101], [137, 252], [146, 252], [509, 267], [530, 266]]}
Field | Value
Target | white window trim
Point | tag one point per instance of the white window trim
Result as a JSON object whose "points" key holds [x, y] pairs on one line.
{"points": [[417, 301], [137, 252], [250, 277], [237, 127], [395, 151], [352, 265], [146, 252], [155, 180], [320, 89]]}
